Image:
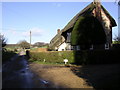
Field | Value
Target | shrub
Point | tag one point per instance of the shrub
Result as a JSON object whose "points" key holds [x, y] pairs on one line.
{"points": [[116, 46], [7, 55]]}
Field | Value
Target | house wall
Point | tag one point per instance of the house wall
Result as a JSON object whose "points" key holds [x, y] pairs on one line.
{"points": [[99, 13], [105, 22], [106, 25], [62, 47]]}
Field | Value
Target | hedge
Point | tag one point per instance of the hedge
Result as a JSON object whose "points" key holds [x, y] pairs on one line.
{"points": [[78, 57], [7, 55], [97, 57], [52, 57]]}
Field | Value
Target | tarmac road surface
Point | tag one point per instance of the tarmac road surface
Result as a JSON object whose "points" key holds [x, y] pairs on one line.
{"points": [[16, 74]]}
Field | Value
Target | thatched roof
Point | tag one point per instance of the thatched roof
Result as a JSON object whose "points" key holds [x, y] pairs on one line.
{"points": [[113, 23], [88, 10], [56, 41], [59, 39]]}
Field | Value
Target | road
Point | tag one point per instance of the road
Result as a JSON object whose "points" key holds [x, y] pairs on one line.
{"points": [[16, 74]]}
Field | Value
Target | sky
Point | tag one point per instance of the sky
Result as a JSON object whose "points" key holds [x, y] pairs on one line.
{"points": [[42, 19]]}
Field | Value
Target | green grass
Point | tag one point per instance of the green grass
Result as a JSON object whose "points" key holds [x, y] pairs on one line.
{"points": [[46, 63], [44, 47]]}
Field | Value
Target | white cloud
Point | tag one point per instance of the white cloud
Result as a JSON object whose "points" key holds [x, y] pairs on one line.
{"points": [[15, 35], [57, 4], [14, 32], [10, 31], [34, 32]]}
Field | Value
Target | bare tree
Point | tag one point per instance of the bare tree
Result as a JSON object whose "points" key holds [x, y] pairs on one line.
{"points": [[117, 1], [2, 40], [117, 40], [39, 44], [24, 44]]}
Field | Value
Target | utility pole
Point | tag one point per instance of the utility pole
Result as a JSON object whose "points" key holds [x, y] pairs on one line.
{"points": [[30, 39], [118, 1]]}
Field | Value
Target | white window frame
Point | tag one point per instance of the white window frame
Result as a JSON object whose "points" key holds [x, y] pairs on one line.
{"points": [[74, 48], [68, 37], [106, 46], [78, 47], [71, 47], [91, 47]]}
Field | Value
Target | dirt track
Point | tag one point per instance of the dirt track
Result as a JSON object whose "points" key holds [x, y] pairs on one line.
{"points": [[94, 76], [61, 77]]}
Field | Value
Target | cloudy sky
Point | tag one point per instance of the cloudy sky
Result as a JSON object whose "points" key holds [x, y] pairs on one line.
{"points": [[42, 19]]}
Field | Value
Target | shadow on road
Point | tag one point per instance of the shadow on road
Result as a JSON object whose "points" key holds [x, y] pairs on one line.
{"points": [[16, 74], [100, 76]]}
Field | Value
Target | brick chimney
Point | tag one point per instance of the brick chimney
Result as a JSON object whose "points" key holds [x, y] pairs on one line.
{"points": [[58, 31], [96, 1]]}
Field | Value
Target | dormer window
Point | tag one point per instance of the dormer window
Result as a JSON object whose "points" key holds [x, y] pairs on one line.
{"points": [[68, 37]]}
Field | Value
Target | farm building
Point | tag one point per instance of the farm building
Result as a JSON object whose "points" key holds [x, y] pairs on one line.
{"points": [[91, 28]]}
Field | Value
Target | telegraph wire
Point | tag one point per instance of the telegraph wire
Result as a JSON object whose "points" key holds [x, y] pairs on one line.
{"points": [[6, 29], [20, 14]]}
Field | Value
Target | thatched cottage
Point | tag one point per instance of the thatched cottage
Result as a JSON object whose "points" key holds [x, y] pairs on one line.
{"points": [[91, 28]]}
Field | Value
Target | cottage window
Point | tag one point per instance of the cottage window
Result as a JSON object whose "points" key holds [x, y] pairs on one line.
{"points": [[62, 49], [106, 46], [68, 47], [74, 47], [68, 37], [71, 47], [78, 47], [91, 47]]}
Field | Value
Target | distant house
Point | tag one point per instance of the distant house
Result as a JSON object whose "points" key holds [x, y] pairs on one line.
{"points": [[93, 19]]}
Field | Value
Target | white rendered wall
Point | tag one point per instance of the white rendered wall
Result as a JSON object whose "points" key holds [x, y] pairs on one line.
{"points": [[62, 47]]}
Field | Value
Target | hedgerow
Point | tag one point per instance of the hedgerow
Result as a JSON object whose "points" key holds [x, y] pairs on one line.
{"points": [[52, 57], [77, 57], [7, 55]]}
